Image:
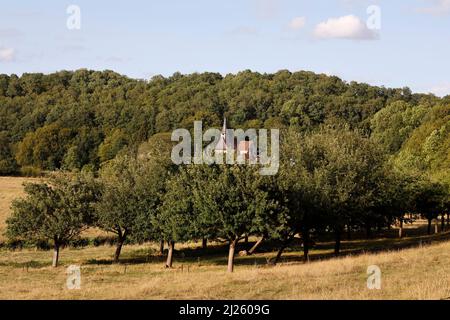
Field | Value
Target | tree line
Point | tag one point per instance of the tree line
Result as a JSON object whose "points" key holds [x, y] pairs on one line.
{"points": [[73, 120], [332, 180]]}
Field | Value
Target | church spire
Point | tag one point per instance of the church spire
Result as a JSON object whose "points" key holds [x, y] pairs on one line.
{"points": [[222, 145], [224, 129]]}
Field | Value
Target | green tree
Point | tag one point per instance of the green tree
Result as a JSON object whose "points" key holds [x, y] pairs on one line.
{"points": [[429, 199], [234, 198], [176, 218], [393, 125], [128, 200], [58, 211], [332, 178], [44, 148], [7, 162], [112, 145]]}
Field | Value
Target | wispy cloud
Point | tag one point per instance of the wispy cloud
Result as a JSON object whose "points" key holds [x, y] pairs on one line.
{"points": [[436, 7], [7, 54], [297, 23], [346, 27]]}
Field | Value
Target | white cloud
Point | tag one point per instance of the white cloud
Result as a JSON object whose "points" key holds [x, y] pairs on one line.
{"points": [[437, 7], [7, 54], [346, 27], [297, 23]]}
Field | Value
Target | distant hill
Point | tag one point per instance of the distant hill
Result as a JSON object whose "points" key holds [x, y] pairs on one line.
{"points": [[79, 119]]}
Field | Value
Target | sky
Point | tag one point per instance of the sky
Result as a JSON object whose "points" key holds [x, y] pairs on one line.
{"points": [[395, 43]]}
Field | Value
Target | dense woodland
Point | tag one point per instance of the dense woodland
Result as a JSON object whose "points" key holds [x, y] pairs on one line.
{"points": [[79, 119], [354, 157]]}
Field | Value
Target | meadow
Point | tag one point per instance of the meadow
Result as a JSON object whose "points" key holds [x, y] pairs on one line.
{"points": [[415, 267], [10, 188]]}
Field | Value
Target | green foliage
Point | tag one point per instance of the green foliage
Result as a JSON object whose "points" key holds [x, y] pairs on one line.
{"points": [[353, 156], [112, 145], [44, 148], [130, 196], [73, 119], [393, 125], [58, 211], [213, 202], [332, 178], [428, 148], [8, 164]]}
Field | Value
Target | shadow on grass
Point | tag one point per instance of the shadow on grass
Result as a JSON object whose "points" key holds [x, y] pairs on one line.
{"points": [[26, 265], [321, 251], [217, 254], [325, 250], [134, 259]]}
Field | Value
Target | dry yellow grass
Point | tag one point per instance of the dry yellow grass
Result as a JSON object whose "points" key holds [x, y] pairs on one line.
{"points": [[416, 273], [10, 188]]}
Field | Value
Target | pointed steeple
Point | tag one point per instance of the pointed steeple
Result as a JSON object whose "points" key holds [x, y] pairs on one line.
{"points": [[224, 129], [222, 145]]}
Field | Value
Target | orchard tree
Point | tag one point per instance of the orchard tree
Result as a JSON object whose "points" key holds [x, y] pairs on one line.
{"points": [[429, 197], [176, 218], [300, 195], [157, 152], [57, 211], [129, 199], [332, 178], [234, 198]]}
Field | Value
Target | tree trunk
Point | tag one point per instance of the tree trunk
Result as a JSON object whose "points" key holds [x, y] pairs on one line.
{"points": [[231, 255], [118, 249], [55, 255], [256, 245], [204, 243], [337, 244], [429, 226], [161, 247], [121, 240], [436, 224], [284, 245], [448, 219], [246, 239], [279, 253], [170, 254], [306, 245], [442, 222], [400, 230]]}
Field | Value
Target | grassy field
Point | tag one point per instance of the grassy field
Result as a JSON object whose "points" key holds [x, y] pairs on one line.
{"points": [[10, 188], [416, 267]]}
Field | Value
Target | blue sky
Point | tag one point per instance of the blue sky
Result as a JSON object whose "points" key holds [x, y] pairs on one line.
{"points": [[145, 38]]}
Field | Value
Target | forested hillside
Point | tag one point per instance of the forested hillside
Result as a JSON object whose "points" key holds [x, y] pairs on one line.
{"points": [[75, 120]]}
